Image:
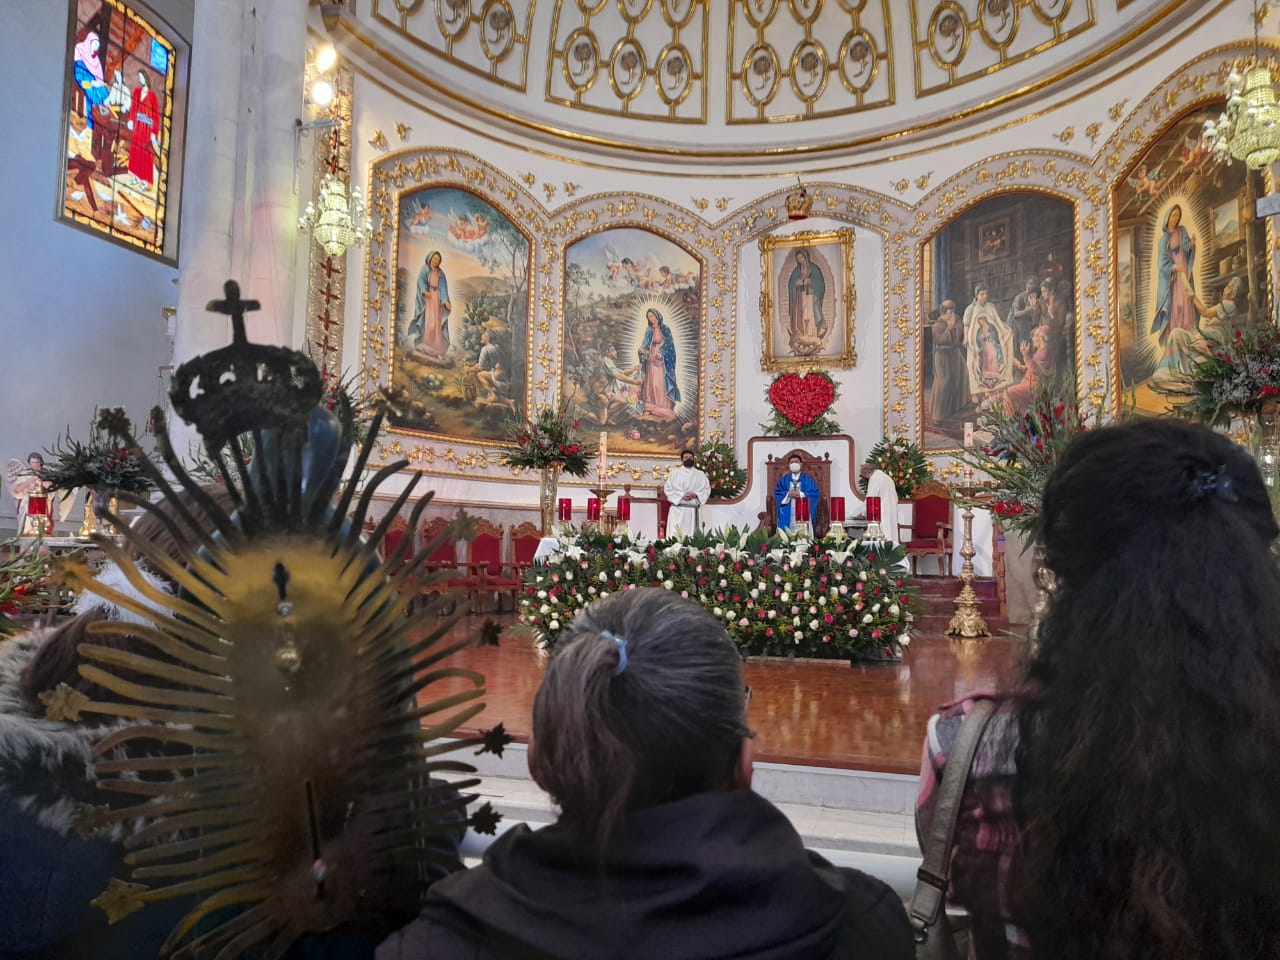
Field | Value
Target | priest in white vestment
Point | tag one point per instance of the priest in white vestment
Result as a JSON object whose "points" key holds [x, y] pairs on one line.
{"points": [[880, 484], [688, 490]]}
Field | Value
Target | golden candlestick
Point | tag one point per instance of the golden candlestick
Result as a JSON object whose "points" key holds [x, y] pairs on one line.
{"points": [[967, 621]]}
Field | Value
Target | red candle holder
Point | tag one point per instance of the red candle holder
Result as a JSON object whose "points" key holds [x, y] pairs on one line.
{"points": [[566, 509], [593, 508], [873, 509], [624, 509], [802, 510], [837, 509]]}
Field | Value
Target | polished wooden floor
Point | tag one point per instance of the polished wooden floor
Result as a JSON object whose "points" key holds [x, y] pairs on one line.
{"points": [[868, 717]]}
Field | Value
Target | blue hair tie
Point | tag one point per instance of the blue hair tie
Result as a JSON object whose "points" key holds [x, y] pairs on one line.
{"points": [[622, 650], [1214, 483]]}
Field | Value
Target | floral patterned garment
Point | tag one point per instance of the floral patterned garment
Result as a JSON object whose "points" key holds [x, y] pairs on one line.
{"points": [[986, 835]]}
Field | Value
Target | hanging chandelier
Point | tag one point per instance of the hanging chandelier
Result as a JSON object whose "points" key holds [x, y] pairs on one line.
{"points": [[1249, 128], [339, 222]]}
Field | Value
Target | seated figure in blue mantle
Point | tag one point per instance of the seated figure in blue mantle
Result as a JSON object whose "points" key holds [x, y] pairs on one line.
{"points": [[790, 487]]}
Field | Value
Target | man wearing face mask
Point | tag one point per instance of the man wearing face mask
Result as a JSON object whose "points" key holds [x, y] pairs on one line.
{"points": [[687, 489], [791, 487]]}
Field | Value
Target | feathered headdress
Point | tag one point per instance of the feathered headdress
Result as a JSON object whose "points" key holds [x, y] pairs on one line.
{"points": [[284, 680]]}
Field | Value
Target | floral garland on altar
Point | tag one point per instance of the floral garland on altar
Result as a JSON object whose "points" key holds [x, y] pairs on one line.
{"points": [[777, 596]]}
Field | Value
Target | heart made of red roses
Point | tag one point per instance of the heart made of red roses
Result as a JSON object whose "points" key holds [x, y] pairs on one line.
{"points": [[802, 399]]}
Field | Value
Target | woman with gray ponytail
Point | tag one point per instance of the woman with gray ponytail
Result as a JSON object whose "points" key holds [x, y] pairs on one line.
{"points": [[661, 849]]}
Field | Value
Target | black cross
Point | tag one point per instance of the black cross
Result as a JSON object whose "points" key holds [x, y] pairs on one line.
{"points": [[235, 308]]}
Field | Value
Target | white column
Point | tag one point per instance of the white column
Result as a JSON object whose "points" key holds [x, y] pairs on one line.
{"points": [[239, 209], [210, 170], [268, 259]]}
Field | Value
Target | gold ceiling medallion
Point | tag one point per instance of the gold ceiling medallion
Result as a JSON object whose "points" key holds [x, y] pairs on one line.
{"points": [[497, 35], [858, 62], [760, 74], [582, 56], [489, 39], [453, 17], [675, 79], [1008, 37], [948, 35], [759, 12], [801, 31], [627, 68], [653, 53], [678, 12], [806, 11], [809, 71], [634, 9], [998, 22]]}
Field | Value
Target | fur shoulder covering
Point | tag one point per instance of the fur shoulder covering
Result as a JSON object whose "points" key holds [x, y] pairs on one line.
{"points": [[46, 766], [113, 578]]}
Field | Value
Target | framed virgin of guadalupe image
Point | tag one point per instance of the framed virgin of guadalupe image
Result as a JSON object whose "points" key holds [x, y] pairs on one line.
{"points": [[807, 300]]}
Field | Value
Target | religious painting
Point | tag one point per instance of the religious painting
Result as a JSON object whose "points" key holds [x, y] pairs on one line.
{"points": [[633, 339], [461, 315], [1199, 257], [124, 72], [996, 325], [807, 300]]}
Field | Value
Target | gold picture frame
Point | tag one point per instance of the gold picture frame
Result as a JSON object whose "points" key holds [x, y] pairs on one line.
{"points": [[802, 333]]}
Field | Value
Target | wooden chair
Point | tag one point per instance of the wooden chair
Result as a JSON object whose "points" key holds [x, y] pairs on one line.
{"points": [[524, 544], [817, 467], [930, 526]]}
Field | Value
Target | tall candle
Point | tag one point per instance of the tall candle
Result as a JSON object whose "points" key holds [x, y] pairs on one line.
{"points": [[968, 433], [873, 509], [593, 508], [837, 509], [566, 509], [802, 510], [604, 447], [624, 508]]}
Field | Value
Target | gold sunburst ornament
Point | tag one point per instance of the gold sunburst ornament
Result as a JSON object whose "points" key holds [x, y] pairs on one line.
{"points": [[286, 685]]}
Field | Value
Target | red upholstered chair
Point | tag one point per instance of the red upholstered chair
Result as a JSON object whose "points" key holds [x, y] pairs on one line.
{"points": [[485, 566], [443, 557], [394, 538], [664, 508], [524, 544], [930, 526], [819, 468]]}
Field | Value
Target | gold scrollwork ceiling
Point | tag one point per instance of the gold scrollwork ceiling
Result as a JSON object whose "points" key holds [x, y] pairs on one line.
{"points": [[726, 67], [837, 62], [957, 42], [632, 58]]}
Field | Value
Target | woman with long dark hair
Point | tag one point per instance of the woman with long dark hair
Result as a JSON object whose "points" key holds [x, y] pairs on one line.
{"points": [[661, 849], [1122, 803]]}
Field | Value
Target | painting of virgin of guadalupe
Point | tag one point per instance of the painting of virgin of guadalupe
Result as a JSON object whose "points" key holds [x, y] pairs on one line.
{"points": [[121, 124], [633, 339], [996, 327], [461, 315], [1192, 254]]}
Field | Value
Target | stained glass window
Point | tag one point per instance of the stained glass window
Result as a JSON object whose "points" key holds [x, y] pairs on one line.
{"points": [[122, 74]]}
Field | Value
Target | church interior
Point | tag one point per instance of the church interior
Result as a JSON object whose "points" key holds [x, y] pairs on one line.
{"points": [[674, 224]]}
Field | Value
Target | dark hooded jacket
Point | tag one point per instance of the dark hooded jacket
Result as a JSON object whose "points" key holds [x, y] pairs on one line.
{"points": [[48, 872], [715, 875]]}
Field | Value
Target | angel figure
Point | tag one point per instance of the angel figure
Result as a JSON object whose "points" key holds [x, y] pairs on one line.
{"points": [[32, 497], [1146, 184]]}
